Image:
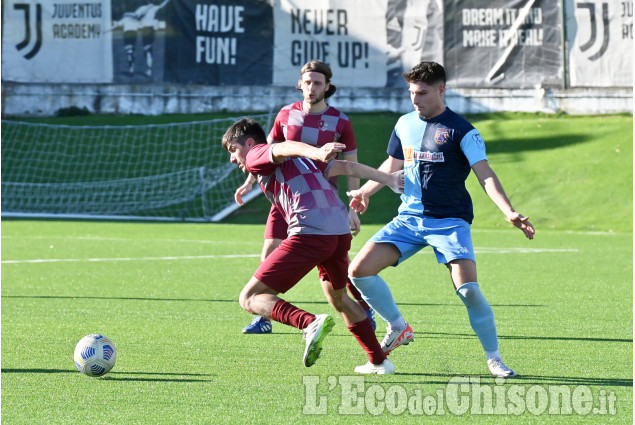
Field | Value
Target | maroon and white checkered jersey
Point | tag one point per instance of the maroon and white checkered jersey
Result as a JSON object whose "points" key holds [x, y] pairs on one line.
{"points": [[297, 187]]}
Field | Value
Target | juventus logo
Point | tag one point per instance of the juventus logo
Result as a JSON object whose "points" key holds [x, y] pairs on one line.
{"points": [[27, 28], [594, 29]]}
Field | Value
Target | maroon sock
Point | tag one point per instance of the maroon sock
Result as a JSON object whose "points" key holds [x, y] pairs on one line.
{"points": [[365, 335], [356, 294], [288, 314]]}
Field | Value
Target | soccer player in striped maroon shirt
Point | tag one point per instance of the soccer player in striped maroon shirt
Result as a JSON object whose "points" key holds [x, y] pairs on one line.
{"points": [[294, 177]]}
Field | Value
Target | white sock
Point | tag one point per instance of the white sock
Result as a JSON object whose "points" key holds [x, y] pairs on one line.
{"points": [[493, 355], [398, 325]]}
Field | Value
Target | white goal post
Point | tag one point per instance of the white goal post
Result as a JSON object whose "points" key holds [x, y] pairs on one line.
{"points": [[171, 172]]}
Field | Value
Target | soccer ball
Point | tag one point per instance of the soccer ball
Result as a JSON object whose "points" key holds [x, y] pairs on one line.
{"points": [[95, 355]]}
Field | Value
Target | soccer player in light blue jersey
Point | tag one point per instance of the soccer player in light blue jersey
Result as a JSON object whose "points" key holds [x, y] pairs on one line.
{"points": [[437, 149]]}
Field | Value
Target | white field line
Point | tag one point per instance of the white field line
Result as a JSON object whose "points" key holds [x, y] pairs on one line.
{"points": [[100, 260], [101, 238], [208, 257]]}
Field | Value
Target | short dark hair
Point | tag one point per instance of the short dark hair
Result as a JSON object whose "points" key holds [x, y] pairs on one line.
{"points": [[242, 130], [426, 72], [324, 69]]}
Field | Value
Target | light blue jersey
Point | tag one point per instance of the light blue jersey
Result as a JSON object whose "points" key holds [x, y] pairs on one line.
{"points": [[437, 154]]}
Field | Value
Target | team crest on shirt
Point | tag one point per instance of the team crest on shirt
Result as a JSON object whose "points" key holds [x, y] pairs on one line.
{"points": [[478, 140], [442, 135], [323, 125]]}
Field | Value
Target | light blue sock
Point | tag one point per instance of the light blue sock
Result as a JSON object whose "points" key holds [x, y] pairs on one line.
{"points": [[480, 314], [376, 293]]}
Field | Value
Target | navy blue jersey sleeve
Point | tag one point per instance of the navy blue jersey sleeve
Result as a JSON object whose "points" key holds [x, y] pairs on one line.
{"points": [[394, 146]]}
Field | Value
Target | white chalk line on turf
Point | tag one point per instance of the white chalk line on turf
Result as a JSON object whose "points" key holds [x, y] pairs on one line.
{"points": [[520, 250], [208, 257], [115, 239], [98, 260]]}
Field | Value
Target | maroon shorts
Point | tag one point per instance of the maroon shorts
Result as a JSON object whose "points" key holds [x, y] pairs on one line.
{"points": [[298, 254], [276, 227]]}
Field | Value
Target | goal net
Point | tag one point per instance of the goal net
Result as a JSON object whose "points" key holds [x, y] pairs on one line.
{"points": [[152, 172]]}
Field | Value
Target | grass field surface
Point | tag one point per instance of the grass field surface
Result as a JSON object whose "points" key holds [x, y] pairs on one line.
{"points": [[166, 294]]}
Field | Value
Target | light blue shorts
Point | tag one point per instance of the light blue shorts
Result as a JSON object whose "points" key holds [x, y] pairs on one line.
{"points": [[449, 237]]}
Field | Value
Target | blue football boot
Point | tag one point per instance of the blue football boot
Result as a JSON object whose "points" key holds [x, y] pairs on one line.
{"points": [[259, 325]]}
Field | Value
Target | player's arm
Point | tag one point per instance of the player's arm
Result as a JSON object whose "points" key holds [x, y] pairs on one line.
{"points": [[248, 185], [376, 179], [290, 149], [244, 189], [390, 165], [362, 171], [360, 198], [493, 187], [352, 183]]}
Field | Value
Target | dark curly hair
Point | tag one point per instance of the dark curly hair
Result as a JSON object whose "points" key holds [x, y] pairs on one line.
{"points": [[242, 130], [426, 72]]}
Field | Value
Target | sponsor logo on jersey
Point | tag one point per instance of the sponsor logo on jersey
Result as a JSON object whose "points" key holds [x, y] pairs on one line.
{"points": [[430, 156], [442, 135]]}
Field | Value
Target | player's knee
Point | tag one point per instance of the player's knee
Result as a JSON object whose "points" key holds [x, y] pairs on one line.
{"points": [[245, 301], [335, 299], [337, 303], [470, 293], [354, 269]]}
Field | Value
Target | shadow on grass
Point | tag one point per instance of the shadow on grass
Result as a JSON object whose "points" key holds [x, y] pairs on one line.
{"points": [[520, 379], [525, 337], [443, 335], [145, 376], [573, 380], [513, 144], [124, 376], [71, 297]]}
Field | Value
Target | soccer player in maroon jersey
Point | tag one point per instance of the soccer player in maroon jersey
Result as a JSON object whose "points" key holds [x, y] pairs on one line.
{"points": [[314, 122], [294, 177]]}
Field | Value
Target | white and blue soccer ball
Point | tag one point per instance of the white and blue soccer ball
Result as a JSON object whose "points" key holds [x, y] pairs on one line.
{"points": [[95, 355]]}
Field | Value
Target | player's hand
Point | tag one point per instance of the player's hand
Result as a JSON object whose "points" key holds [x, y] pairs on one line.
{"points": [[353, 220], [397, 181], [359, 200], [242, 190], [329, 151], [522, 223]]}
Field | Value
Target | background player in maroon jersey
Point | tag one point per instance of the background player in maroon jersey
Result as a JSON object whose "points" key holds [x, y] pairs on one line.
{"points": [[314, 122]]}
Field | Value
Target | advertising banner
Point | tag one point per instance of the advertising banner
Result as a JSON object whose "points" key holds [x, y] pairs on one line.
{"points": [[366, 42], [600, 39], [220, 42], [503, 43], [56, 42]]}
